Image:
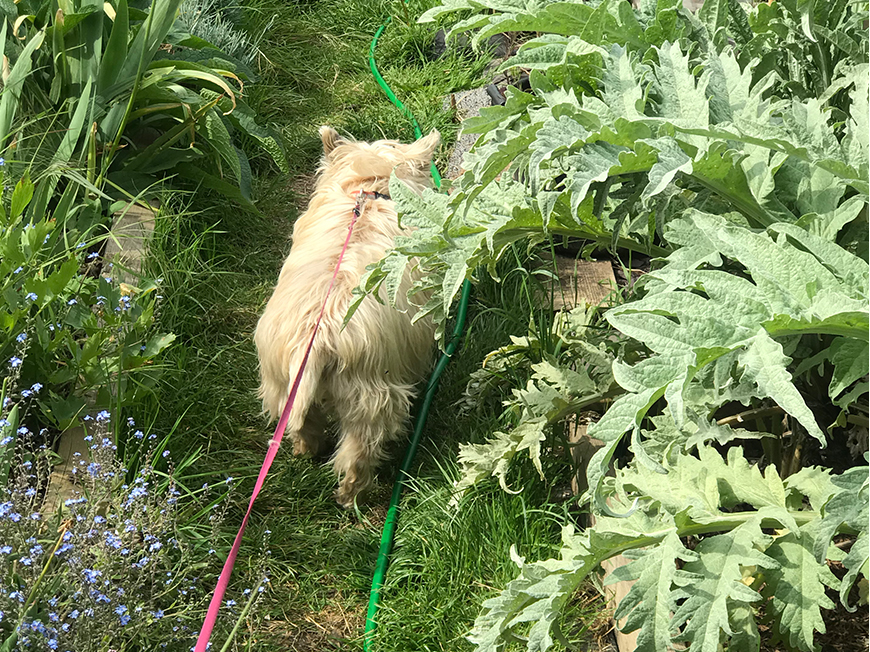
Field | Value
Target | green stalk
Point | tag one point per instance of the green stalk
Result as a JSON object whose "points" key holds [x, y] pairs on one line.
{"points": [[240, 619]]}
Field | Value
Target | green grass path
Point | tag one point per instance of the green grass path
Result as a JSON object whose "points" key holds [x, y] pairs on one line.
{"points": [[219, 265]]}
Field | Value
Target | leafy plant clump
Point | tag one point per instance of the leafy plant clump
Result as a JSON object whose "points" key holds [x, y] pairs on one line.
{"points": [[68, 328], [741, 167]]}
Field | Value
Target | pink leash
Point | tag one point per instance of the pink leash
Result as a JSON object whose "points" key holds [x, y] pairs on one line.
{"points": [[202, 642]]}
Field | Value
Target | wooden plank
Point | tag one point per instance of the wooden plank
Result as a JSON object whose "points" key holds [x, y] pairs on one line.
{"points": [[583, 447], [582, 281]]}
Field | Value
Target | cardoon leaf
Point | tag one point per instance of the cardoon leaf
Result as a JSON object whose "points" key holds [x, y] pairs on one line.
{"points": [[797, 588], [707, 600], [650, 602], [765, 365]]}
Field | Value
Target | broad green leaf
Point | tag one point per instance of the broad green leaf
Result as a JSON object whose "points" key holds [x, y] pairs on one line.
{"points": [[115, 53], [851, 360], [856, 562], [797, 588], [13, 84], [813, 482], [847, 507], [650, 603], [765, 365], [719, 587]]}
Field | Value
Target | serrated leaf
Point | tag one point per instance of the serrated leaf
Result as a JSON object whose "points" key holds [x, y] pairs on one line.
{"points": [[851, 360], [765, 365], [650, 603], [847, 507], [856, 562], [813, 482], [797, 588], [708, 599]]}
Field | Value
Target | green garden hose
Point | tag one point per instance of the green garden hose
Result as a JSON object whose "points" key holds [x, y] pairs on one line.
{"points": [[419, 423]]}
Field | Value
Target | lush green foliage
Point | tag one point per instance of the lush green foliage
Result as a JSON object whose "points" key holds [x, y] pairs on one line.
{"points": [[743, 167], [64, 326], [134, 95]]}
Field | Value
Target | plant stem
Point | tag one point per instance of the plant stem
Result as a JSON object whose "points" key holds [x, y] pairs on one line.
{"points": [[36, 584], [241, 618]]}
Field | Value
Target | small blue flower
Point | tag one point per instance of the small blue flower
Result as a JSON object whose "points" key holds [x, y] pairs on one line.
{"points": [[141, 563], [2, 161], [27, 561], [23, 430], [35, 387], [31, 296], [35, 516], [125, 619], [71, 302], [165, 453], [121, 609], [5, 550], [92, 255], [30, 493], [231, 603], [5, 440], [36, 550], [157, 615], [52, 643], [26, 393], [18, 270], [74, 614], [14, 362], [103, 415], [64, 548], [74, 501], [21, 337], [138, 434], [91, 575]]}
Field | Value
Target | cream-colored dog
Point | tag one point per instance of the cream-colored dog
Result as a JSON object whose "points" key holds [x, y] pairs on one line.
{"points": [[363, 375]]}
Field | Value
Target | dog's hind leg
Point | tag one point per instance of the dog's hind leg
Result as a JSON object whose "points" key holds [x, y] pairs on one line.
{"points": [[370, 417], [306, 427], [311, 439]]}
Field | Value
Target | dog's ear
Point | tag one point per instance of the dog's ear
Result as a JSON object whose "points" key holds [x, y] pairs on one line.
{"points": [[422, 151], [330, 139]]}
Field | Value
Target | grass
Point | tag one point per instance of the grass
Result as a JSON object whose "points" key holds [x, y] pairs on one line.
{"points": [[219, 266]]}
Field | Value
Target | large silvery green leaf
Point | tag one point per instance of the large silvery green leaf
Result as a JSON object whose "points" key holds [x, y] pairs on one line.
{"points": [[719, 587], [765, 365], [797, 588], [683, 97], [650, 602], [851, 360], [847, 507], [536, 596]]}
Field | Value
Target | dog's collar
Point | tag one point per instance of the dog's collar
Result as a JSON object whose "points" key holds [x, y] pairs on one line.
{"points": [[362, 195]]}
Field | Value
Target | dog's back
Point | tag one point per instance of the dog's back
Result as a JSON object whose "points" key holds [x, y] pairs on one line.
{"points": [[364, 375]]}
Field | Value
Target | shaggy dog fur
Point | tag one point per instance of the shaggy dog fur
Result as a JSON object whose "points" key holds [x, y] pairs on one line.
{"points": [[363, 375]]}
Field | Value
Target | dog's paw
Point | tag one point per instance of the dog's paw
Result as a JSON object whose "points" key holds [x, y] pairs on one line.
{"points": [[349, 489]]}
